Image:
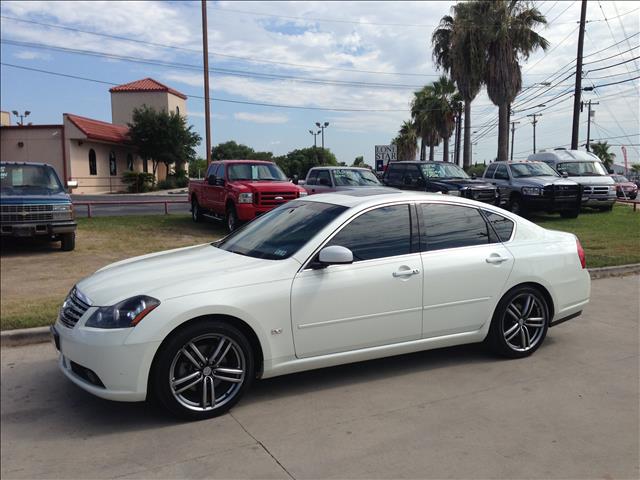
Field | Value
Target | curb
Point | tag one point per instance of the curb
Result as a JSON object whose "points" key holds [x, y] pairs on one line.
{"points": [[29, 336]]}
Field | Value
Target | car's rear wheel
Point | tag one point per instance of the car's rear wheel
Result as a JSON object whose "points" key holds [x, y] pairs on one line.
{"points": [[203, 370], [196, 211], [520, 323], [68, 241], [232, 218]]}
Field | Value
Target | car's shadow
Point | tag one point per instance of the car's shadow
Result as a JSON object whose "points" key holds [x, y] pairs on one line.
{"points": [[10, 247]]}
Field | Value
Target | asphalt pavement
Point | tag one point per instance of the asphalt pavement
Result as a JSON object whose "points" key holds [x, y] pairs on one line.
{"points": [[130, 209], [569, 411]]}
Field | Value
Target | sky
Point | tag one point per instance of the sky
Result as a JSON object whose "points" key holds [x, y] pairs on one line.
{"points": [[352, 64]]}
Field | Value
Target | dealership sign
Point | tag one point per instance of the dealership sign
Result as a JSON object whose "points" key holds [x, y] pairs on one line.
{"points": [[385, 154]]}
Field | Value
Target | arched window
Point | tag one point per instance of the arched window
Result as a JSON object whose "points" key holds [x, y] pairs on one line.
{"points": [[113, 169], [93, 167], [130, 162], [178, 110]]}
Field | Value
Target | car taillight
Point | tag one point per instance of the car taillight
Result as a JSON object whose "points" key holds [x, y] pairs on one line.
{"points": [[583, 259]]}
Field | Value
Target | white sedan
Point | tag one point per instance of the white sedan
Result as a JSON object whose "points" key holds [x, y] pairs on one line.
{"points": [[321, 281]]}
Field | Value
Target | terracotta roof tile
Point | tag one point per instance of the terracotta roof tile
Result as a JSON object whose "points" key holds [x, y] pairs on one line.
{"points": [[97, 130], [147, 85]]}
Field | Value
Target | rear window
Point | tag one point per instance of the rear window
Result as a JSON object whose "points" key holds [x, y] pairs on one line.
{"points": [[502, 226]]}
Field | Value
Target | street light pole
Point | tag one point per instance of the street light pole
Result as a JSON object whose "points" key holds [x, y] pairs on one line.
{"points": [[589, 121], [21, 116], [315, 134], [322, 126], [534, 122]]}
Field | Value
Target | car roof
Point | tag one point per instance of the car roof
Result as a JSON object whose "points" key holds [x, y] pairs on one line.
{"points": [[37, 164], [267, 162], [337, 167], [417, 162]]}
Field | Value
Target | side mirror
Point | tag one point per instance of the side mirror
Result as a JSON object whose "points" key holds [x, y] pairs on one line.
{"points": [[295, 180], [334, 255], [564, 174], [211, 179], [72, 184], [474, 176]]}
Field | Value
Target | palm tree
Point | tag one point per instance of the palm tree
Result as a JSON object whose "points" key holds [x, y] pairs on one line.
{"points": [[445, 104], [407, 141], [508, 30], [459, 49], [601, 150], [422, 113]]}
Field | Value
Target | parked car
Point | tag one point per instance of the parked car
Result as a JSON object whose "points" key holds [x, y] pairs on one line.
{"points": [[237, 191], [624, 187], [320, 281], [332, 179], [534, 186], [33, 203], [598, 189], [440, 177]]}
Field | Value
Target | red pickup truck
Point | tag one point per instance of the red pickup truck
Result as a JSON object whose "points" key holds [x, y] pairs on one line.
{"points": [[239, 190]]}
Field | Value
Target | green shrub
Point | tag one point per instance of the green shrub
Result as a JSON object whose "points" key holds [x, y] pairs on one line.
{"points": [[477, 168], [138, 182]]}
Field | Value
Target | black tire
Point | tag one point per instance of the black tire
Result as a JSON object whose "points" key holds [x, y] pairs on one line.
{"points": [[504, 323], [231, 219], [206, 336], [570, 213], [68, 241], [196, 211], [517, 206], [633, 196]]}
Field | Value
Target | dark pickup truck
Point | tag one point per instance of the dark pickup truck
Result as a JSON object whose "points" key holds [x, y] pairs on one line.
{"points": [[33, 203], [441, 177]]}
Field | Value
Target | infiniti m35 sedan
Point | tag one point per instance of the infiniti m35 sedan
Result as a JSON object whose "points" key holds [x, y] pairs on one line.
{"points": [[320, 281]]}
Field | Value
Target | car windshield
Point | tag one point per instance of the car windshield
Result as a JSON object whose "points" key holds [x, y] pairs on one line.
{"points": [[354, 178], [29, 179], [443, 170], [620, 179], [281, 232], [586, 168], [519, 170], [256, 171]]}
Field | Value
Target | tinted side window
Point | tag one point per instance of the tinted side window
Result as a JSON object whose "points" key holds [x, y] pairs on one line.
{"points": [[395, 174], [313, 178], [220, 171], [383, 232], [502, 226], [451, 226], [412, 175], [501, 173], [212, 169], [324, 178], [490, 170]]}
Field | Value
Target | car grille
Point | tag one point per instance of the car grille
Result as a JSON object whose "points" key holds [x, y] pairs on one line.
{"points": [[595, 190], [487, 195], [26, 213], [74, 306], [272, 199], [562, 192]]}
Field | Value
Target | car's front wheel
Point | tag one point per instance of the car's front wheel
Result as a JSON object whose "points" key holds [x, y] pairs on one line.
{"points": [[196, 212], [520, 323], [68, 241], [203, 370], [517, 206]]}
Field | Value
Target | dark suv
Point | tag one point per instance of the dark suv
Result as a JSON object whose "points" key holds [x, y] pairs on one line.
{"points": [[441, 177], [534, 186]]}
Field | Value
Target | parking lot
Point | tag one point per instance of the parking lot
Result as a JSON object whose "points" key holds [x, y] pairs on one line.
{"points": [[569, 411]]}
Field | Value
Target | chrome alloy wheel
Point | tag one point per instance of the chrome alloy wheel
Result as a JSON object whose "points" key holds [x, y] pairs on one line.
{"points": [[524, 322], [207, 372]]}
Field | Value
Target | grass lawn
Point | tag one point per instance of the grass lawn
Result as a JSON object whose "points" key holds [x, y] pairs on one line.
{"points": [[36, 276]]}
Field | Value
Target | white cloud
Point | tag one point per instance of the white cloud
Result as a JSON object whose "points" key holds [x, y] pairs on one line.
{"points": [[212, 115], [260, 117], [31, 55]]}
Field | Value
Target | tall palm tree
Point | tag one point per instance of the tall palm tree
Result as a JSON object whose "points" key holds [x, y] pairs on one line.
{"points": [[445, 104], [508, 27], [601, 150], [459, 49], [407, 141], [422, 113]]}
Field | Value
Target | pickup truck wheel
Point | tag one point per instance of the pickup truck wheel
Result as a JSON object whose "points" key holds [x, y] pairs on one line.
{"points": [[68, 241], [516, 205], [196, 213], [203, 370], [232, 219]]}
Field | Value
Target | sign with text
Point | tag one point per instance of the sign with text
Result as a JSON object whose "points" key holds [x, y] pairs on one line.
{"points": [[385, 154]]}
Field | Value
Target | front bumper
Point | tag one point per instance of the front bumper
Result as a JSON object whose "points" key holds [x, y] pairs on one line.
{"points": [[37, 229], [122, 369], [249, 211], [549, 203], [599, 201]]}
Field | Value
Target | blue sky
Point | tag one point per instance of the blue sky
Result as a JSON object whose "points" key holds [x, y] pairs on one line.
{"points": [[327, 42]]}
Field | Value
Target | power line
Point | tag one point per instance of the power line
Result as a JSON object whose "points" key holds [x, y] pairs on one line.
{"points": [[612, 83]]}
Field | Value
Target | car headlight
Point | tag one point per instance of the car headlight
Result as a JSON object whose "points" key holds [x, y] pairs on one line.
{"points": [[245, 198], [125, 314], [612, 188], [303, 194], [534, 191], [62, 212], [455, 193]]}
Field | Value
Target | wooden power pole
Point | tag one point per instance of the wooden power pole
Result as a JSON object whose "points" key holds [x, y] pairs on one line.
{"points": [[575, 131], [205, 59]]}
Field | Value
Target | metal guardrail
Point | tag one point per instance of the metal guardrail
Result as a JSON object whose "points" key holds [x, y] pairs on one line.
{"points": [[166, 203], [629, 202]]}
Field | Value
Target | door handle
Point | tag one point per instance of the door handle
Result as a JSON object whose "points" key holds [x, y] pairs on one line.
{"points": [[496, 259], [406, 273]]}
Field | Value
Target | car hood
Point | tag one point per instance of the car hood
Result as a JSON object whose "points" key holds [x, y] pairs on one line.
{"points": [[460, 182], [15, 197], [595, 180], [542, 181], [178, 272], [265, 186]]}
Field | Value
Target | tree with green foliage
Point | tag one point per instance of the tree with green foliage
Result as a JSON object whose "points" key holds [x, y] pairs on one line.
{"points": [[237, 151], [197, 168], [162, 136], [406, 141], [423, 116], [300, 161], [358, 162], [635, 168], [601, 150], [445, 104]]}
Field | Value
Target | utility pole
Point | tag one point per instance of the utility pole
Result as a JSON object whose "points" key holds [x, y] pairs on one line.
{"points": [[205, 61], [513, 136], [575, 131], [589, 113], [322, 126], [534, 122], [458, 137]]}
